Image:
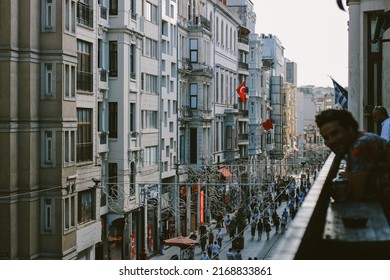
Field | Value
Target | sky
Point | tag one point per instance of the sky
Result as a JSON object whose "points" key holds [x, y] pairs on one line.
{"points": [[314, 34]]}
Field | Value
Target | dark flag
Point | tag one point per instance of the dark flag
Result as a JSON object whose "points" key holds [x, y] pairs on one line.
{"points": [[340, 95], [267, 125], [340, 4]]}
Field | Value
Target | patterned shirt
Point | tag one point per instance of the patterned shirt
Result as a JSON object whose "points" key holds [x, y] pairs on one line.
{"points": [[371, 153]]}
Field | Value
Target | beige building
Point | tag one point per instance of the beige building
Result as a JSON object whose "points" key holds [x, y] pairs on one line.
{"points": [[49, 208]]}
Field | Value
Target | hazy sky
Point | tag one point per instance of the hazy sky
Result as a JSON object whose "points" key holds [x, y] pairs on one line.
{"points": [[314, 34]]}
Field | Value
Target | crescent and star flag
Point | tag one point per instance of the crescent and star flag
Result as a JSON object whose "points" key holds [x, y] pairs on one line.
{"points": [[340, 95], [267, 125], [241, 91]]}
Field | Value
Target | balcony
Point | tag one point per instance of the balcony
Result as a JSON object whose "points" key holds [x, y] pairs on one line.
{"points": [[103, 141], [243, 65], [84, 15], [199, 23], [84, 81], [317, 233], [103, 12], [243, 39]]}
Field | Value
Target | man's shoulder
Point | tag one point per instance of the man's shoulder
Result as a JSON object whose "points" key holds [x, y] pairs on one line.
{"points": [[368, 139]]}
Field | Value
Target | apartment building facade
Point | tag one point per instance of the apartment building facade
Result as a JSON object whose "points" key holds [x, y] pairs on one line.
{"points": [[50, 208], [368, 63], [128, 123]]}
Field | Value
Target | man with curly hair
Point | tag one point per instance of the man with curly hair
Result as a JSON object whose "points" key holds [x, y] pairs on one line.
{"points": [[367, 156]]}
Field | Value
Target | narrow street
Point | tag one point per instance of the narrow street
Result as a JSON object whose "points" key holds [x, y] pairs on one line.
{"points": [[253, 248]]}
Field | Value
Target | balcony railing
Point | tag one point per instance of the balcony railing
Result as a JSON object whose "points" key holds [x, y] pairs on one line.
{"points": [[103, 12], [84, 81], [103, 75], [317, 234], [243, 39], [199, 23], [243, 65], [84, 14], [242, 137], [103, 137]]}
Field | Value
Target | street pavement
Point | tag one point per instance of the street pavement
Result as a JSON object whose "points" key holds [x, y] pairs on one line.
{"points": [[261, 249]]}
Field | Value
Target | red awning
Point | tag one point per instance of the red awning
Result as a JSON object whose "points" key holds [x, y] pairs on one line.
{"points": [[226, 173]]}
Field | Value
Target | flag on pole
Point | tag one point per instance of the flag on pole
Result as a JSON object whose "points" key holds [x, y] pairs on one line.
{"points": [[340, 95], [267, 125], [241, 91]]}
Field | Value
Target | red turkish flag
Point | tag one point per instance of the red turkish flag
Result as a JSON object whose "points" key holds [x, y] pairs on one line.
{"points": [[241, 91], [267, 125]]}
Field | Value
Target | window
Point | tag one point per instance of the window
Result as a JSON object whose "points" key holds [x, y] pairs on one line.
{"points": [[49, 147], [84, 13], [49, 80], [113, 119], [229, 138], [194, 50], [69, 212], [149, 83], [48, 215], [150, 156], [86, 206], [132, 61], [84, 135], [70, 18], [69, 146], [113, 65], [194, 96], [132, 117], [133, 9], [48, 15], [149, 119], [193, 145], [182, 147], [113, 7], [84, 64], [150, 12], [150, 48], [70, 81], [112, 180]]}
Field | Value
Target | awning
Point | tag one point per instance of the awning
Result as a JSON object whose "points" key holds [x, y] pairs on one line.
{"points": [[226, 173]]}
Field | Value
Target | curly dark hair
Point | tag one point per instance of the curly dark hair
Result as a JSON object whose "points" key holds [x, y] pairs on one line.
{"points": [[344, 117]]}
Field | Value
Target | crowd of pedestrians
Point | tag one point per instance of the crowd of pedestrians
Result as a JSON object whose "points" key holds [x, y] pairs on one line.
{"points": [[261, 214]]}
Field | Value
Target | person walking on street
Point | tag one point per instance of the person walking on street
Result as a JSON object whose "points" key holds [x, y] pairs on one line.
{"points": [[230, 255], [203, 242], [276, 223], [237, 255], [211, 236], [219, 237], [267, 228], [228, 222], [204, 256], [381, 117], [283, 224], [285, 214], [253, 228], [260, 228], [210, 250], [216, 248]]}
